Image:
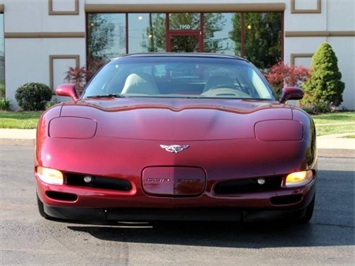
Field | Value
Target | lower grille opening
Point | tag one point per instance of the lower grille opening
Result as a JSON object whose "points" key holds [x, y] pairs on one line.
{"points": [[248, 185], [61, 196], [98, 182], [282, 200]]}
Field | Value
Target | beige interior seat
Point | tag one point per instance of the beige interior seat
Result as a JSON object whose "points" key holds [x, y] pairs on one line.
{"points": [[140, 83]]}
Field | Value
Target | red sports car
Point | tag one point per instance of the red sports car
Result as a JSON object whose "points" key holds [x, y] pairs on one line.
{"points": [[176, 137]]}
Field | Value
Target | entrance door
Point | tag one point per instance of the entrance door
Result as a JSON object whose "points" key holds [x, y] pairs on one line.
{"points": [[184, 32], [184, 42]]}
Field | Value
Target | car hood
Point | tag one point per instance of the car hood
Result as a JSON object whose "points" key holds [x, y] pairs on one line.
{"points": [[175, 119]]}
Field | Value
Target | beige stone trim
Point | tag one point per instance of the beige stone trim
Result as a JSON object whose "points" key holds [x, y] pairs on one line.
{"points": [[25, 35], [320, 34], [294, 56], [157, 8], [306, 11], [54, 12], [51, 65]]}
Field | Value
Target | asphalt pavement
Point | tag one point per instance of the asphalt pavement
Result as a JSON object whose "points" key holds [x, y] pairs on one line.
{"points": [[339, 146]]}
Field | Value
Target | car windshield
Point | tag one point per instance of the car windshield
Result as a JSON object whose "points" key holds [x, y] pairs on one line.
{"points": [[179, 76]]}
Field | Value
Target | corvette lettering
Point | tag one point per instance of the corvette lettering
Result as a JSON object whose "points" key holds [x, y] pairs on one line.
{"points": [[178, 180]]}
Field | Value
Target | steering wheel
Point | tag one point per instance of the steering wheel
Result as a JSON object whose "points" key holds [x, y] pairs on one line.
{"points": [[223, 91]]}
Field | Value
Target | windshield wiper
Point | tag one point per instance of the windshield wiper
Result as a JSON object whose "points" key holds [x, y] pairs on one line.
{"points": [[109, 95]]}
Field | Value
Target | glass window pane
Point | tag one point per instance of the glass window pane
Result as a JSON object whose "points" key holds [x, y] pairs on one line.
{"points": [[158, 42], [184, 21], [176, 76], [263, 38], [218, 34], [146, 33], [106, 38], [181, 43]]}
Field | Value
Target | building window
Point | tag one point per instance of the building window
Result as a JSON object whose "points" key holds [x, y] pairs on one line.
{"points": [[255, 36], [184, 21], [258, 37], [106, 38], [218, 28], [146, 32]]}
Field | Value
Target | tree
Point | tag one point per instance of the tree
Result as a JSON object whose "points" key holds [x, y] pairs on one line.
{"points": [[156, 32], [100, 38], [213, 22], [78, 75], [325, 87], [263, 36], [100, 32], [281, 75]]}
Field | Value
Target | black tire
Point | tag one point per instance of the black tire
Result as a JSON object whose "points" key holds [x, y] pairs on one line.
{"points": [[308, 213], [41, 208]]}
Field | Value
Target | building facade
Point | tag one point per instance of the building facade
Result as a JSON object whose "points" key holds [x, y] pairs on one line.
{"points": [[41, 39]]}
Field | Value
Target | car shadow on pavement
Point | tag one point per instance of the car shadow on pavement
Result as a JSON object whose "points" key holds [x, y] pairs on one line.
{"points": [[332, 224], [217, 234]]}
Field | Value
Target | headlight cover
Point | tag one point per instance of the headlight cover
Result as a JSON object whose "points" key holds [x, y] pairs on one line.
{"points": [[297, 179], [72, 128], [279, 130], [50, 176]]}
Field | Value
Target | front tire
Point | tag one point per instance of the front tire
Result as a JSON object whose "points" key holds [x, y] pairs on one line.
{"points": [[41, 208], [308, 212]]}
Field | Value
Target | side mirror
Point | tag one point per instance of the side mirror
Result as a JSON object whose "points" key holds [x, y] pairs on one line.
{"points": [[291, 93], [67, 90]]}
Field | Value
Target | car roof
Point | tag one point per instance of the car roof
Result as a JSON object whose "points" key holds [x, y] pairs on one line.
{"points": [[172, 54]]}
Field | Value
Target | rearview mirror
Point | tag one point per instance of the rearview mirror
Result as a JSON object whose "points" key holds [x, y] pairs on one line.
{"points": [[67, 90], [291, 93]]}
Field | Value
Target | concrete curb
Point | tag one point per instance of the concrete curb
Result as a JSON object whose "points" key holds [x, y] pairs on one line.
{"points": [[336, 153], [18, 142]]}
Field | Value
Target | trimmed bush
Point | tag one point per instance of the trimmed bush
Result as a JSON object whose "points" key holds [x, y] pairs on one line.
{"points": [[33, 96], [281, 75], [324, 88]]}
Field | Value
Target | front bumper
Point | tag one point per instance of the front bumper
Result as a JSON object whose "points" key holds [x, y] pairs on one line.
{"points": [[193, 214], [221, 161], [90, 206]]}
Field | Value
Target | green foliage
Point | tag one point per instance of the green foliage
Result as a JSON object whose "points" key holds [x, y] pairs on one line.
{"points": [[334, 123], [325, 87], [20, 120], [2, 89], [33, 96], [263, 37], [51, 103], [4, 104]]}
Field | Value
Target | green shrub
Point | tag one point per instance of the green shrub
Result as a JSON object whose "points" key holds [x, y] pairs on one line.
{"points": [[51, 103], [4, 104], [324, 88], [33, 96], [2, 90]]}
